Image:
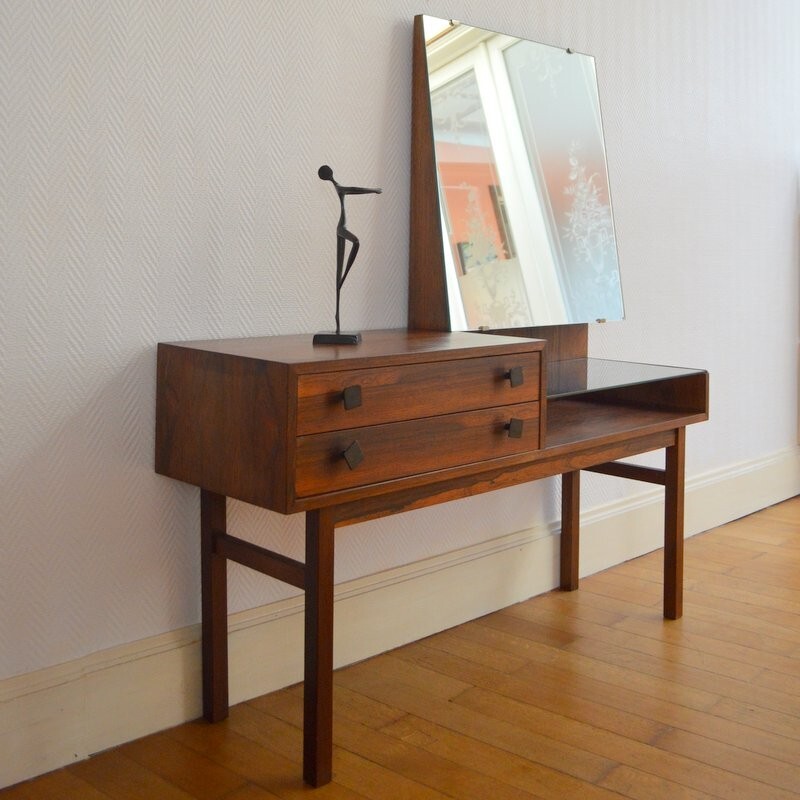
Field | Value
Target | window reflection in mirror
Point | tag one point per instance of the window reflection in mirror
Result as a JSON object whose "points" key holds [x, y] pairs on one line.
{"points": [[526, 212]]}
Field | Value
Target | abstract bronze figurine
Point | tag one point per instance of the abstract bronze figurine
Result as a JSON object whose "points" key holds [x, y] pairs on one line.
{"points": [[342, 271]]}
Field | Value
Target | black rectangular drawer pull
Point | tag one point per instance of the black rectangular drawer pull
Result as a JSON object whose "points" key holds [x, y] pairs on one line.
{"points": [[351, 397], [514, 428], [354, 455], [515, 376]]}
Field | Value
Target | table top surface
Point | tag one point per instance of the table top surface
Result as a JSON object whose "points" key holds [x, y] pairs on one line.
{"points": [[298, 349]]}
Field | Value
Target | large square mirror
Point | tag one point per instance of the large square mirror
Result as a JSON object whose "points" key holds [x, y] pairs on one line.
{"points": [[514, 215]]}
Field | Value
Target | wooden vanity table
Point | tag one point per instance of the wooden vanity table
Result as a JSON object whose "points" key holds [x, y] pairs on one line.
{"points": [[411, 418], [403, 420]]}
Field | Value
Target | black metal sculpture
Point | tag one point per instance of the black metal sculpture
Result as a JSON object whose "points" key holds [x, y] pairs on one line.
{"points": [[343, 235]]}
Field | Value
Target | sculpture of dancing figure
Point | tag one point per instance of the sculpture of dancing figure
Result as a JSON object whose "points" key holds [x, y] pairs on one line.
{"points": [[343, 235]]}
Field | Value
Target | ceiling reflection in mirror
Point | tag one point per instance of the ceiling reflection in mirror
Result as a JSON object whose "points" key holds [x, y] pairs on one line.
{"points": [[528, 233]]}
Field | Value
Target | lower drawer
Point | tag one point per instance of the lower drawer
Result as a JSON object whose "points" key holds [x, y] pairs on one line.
{"points": [[326, 462]]}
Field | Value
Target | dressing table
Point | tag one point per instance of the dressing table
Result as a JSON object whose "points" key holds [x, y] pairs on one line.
{"points": [[403, 420]]}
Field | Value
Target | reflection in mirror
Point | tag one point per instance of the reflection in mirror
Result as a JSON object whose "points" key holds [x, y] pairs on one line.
{"points": [[527, 228]]}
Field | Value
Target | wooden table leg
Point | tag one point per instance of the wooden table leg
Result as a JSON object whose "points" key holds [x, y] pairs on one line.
{"points": [[570, 529], [214, 579], [673, 526], [318, 688]]}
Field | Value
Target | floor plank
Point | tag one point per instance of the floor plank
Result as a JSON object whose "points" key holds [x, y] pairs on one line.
{"points": [[121, 777], [193, 772], [59, 785]]}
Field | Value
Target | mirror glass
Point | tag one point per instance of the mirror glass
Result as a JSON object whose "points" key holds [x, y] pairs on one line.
{"points": [[527, 227]]}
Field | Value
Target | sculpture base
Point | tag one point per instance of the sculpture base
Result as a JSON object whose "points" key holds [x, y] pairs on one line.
{"points": [[346, 337]]}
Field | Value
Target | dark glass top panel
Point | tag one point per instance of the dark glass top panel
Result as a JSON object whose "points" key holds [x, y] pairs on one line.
{"points": [[582, 375]]}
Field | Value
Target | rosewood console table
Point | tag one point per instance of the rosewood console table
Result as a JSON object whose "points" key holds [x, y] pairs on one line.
{"points": [[403, 420]]}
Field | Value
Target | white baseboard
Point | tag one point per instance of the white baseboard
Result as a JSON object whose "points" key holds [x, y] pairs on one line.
{"points": [[61, 714]]}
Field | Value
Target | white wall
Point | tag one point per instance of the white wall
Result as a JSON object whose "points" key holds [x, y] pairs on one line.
{"points": [[158, 181]]}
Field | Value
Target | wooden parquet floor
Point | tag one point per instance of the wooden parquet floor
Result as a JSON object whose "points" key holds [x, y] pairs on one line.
{"points": [[589, 694]]}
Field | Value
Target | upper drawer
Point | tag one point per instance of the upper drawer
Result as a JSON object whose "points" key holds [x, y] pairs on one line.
{"points": [[413, 391]]}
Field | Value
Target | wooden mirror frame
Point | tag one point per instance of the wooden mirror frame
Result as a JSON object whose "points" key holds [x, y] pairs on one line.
{"points": [[427, 289]]}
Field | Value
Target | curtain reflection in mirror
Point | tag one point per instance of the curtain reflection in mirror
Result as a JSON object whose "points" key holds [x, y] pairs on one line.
{"points": [[481, 250]]}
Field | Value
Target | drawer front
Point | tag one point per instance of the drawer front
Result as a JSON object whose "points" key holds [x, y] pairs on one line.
{"points": [[401, 449], [413, 391]]}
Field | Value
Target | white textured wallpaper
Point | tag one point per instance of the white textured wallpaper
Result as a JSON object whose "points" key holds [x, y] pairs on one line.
{"points": [[158, 181]]}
